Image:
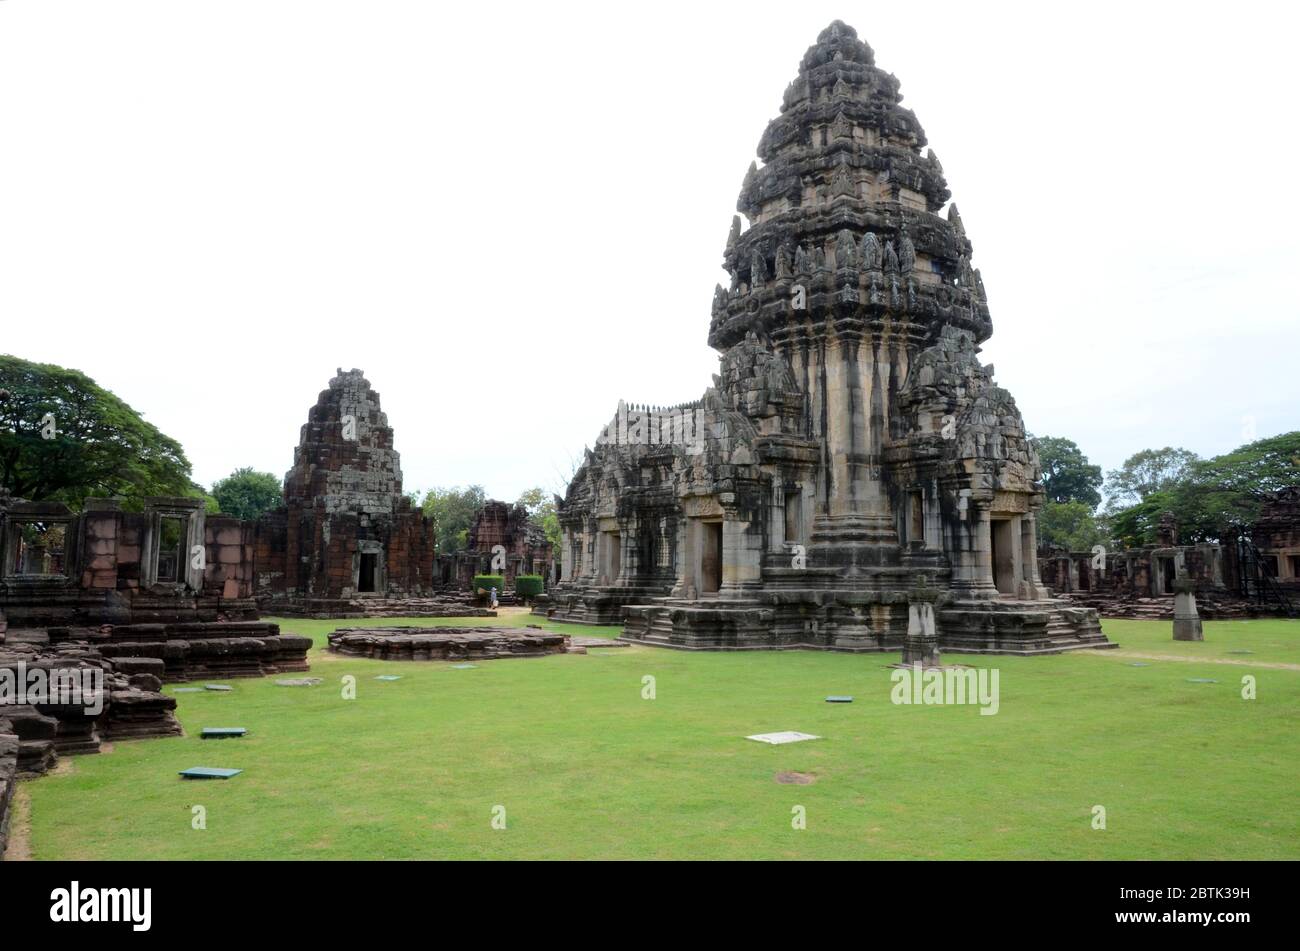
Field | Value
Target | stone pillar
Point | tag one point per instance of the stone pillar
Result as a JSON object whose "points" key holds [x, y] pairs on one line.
{"points": [[685, 559], [742, 558], [972, 561], [921, 646], [1187, 621], [859, 514], [776, 518], [1030, 587]]}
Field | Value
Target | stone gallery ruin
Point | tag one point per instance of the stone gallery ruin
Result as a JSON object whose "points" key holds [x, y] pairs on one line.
{"points": [[854, 469]]}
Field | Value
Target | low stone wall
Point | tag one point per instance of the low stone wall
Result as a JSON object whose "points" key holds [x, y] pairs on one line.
{"points": [[448, 643], [34, 736], [206, 651], [347, 609]]}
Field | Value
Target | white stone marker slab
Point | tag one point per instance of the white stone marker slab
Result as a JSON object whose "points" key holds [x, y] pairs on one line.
{"points": [[785, 736]]}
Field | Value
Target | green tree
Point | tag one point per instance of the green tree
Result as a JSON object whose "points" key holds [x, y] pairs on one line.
{"points": [[1212, 495], [1067, 474], [541, 509], [1151, 470], [1228, 490], [247, 493], [1135, 526], [453, 511], [1071, 525], [63, 438]]}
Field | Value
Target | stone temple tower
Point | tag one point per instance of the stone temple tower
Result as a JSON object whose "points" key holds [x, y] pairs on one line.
{"points": [[853, 458], [346, 531]]}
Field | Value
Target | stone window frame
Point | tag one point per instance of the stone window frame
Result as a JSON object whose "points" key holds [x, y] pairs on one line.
{"points": [[191, 511], [50, 513]]}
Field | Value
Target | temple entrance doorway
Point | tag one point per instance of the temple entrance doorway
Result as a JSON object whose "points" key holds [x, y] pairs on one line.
{"points": [[711, 557], [367, 573], [1003, 555]]}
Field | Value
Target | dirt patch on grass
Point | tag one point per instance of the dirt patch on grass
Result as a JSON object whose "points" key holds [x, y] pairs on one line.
{"points": [[795, 779], [1128, 655], [19, 848]]}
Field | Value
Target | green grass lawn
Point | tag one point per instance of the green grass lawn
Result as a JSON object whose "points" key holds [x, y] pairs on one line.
{"points": [[586, 768]]}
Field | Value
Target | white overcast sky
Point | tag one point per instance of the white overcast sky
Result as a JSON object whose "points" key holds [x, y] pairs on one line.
{"points": [[510, 216]]}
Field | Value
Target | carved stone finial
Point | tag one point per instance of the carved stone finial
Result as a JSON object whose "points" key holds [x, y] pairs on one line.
{"points": [[734, 234]]}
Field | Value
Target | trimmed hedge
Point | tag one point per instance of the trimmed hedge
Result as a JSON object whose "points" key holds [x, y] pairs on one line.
{"points": [[485, 583], [528, 586]]}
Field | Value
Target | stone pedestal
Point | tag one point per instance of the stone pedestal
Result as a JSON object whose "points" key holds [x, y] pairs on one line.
{"points": [[1187, 621], [922, 643]]}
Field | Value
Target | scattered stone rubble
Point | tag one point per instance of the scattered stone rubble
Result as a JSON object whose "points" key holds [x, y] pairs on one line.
{"points": [[34, 736]]}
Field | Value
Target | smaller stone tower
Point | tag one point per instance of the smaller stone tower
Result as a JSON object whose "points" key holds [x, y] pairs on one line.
{"points": [[346, 530]]}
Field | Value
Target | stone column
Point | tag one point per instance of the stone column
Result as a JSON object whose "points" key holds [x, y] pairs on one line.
{"points": [[972, 562], [1031, 587], [1187, 621], [742, 558], [921, 645], [859, 515]]}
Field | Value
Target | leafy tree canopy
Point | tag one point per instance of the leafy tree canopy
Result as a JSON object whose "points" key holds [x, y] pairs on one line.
{"points": [[97, 445], [1071, 525], [1136, 525], [1213, 495], [1228, 491], [541, 508], [1145, 472], [1067, 475], [453, 511], [247, 493]]}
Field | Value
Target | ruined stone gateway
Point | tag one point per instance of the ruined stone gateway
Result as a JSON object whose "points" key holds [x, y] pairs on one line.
{"points": [[853, 461]]}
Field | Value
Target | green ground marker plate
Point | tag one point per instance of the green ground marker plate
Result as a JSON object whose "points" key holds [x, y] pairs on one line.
{"points": [[839, 699], [220, 687], [300, 682], [464, 666], [389, 677], [1139, 665], [209, 772], [222, 732], [187, 690], [1201, 680]]}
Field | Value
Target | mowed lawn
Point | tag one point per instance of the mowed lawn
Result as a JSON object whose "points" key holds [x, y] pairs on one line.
{"points": [[584, 767]]}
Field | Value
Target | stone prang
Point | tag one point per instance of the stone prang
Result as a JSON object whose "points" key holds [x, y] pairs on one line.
{"points": [[346, 531], [852, 450]]}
